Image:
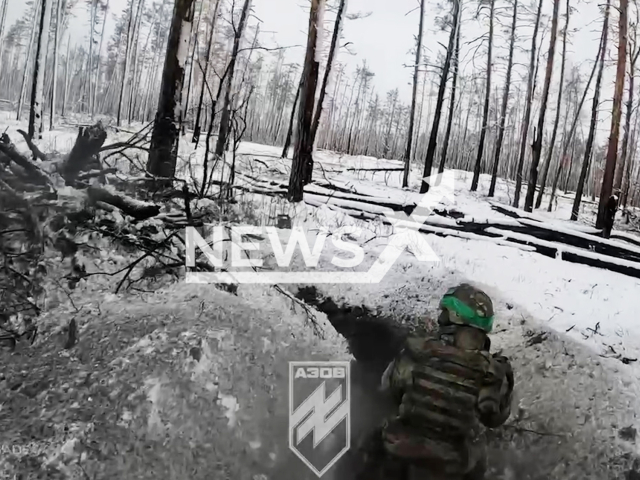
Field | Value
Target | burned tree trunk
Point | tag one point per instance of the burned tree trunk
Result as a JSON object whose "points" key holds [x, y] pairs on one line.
{"points": [[36, 110], [556, 122], [606, 212], [505, 102], [166, 133], [487, 100], [287, 140], [414, 94], [327, 71], [527, 114], [127, 53], [569, 139], [594, 118], [302, 163], [452, 101], [537, 143], [225, 117], [624, 154], [197, 128], [433, 137], [56, 41]]}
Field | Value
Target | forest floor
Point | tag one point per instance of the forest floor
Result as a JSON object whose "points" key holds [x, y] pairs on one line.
{"points": [[191, 382]]}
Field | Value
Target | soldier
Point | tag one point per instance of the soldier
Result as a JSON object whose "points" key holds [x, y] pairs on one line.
{"points": [[446, 386]]}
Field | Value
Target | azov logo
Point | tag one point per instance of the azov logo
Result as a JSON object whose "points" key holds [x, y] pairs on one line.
{"points": [[319, 398], [322, 372]]}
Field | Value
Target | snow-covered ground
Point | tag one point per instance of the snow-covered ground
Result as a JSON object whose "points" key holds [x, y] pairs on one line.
{"points": [[592, 305], [563, 389], [566, 297]]}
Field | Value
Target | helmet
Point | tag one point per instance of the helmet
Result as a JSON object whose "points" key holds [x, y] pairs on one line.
{"points": [[467, 305]]}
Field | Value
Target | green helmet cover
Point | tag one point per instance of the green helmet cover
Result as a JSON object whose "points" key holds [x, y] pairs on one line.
{"points": [[475, 317]]}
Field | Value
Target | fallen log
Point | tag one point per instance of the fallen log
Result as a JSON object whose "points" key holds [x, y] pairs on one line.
{"points": [[572, 254], [439, 230], [137, 209], [34, 173]]}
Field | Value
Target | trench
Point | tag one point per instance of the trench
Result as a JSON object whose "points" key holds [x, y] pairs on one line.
{"points": [[374, 341]]}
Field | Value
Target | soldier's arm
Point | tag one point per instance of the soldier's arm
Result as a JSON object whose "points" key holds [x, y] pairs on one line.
{"points": [[494, 400], [397, 376]]}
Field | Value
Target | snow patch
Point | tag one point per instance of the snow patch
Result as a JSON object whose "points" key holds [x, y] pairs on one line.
{"points": [[231, 405]]}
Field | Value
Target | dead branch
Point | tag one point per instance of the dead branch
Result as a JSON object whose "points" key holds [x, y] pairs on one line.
{"points": [[37, 153]]}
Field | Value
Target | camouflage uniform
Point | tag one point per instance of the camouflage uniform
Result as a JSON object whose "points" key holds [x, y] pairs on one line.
{"points": [[446, 386]]}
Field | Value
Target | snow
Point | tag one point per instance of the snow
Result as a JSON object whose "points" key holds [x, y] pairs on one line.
{"points": [[566, 297], [591, 306]]}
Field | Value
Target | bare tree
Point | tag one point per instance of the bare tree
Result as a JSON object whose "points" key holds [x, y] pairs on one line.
{"points": [[302, 164], [56, 42], [287, 142], [505, 101], [327, 71], [166, 130], [537, 143], [608, 202], [527, 114], [36, 110], [433, 137], [556, 122], [207, 59], [452, 100], [225, 116], [487, 100], [594, 118], [625, 161], [569, 140], [416, 72]]}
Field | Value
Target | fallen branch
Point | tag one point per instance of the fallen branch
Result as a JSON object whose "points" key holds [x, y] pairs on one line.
{"points": [[130, 206], [34, 149]]}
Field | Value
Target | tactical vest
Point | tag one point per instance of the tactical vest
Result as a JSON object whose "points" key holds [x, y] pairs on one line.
{"points": [[437, 418]]}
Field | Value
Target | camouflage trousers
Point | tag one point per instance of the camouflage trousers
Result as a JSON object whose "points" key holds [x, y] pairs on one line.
{"points": [[378, 464]]}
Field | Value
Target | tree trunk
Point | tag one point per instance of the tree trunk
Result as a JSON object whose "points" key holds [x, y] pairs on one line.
{"points": [[631, 160], [416, 71], [606, 212], [192, 49], [452, 100], [570, 140], [37, 8], [56, 42], [487, 100], [537, 143], [65, 88], [135, 64], [527, 113], [88, 78], [3, 18], [166, 134], [225, 117], [197, 127], [594, 118], [433, 136], [505, 102], [36, 110], [302, 156], [127, 53], [547, 163], [97, 77], [327, 71], [287, 141], [624, 161]]}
